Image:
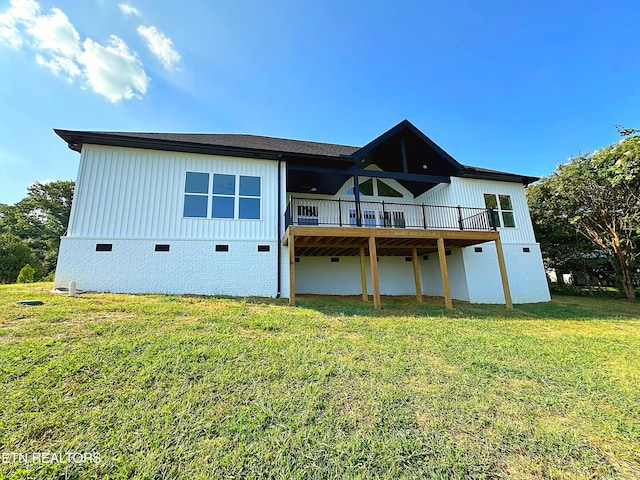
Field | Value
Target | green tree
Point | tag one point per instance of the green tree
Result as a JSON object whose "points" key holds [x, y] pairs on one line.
{"points": [[597, 196], [563, 248], [14, 254], [40, 219], [26, 274]]}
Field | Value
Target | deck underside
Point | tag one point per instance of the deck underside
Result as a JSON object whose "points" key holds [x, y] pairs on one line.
{"points": [[347, 241], [375, 242]]}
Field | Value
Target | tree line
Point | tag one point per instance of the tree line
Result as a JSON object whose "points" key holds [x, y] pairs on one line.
{"points": [[586, 214], [30, 230]]}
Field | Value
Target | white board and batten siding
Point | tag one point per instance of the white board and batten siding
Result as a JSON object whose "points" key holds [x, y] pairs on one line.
{"points": [[523, 259], [133, 199], [469, 192], [135, 193]]}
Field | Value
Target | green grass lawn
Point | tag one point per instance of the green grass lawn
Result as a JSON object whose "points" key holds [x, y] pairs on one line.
{"points": [[189, 387]]}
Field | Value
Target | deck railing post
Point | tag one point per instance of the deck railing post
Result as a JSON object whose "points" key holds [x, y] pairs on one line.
{"points": [[460, 222], [356, 197], [424, 216], [384, 216], [340, 212], [287, 215]]}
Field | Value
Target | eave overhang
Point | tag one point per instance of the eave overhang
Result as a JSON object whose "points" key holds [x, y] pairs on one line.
{"points": [[76, 139], [495, 175]]}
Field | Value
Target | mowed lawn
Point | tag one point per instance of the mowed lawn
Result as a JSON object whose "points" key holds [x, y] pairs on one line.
{"points": [[191, 387]]}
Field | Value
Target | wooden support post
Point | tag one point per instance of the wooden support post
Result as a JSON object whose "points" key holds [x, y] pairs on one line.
{"points": [[292, 270], [444, 274], [503, 274], [416, 273], [363, 276], [373, 258]]}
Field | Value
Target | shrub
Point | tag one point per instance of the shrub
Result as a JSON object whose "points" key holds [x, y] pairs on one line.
{"points": [[581, 291], [14, 254], [50, 277], [26, 274]]}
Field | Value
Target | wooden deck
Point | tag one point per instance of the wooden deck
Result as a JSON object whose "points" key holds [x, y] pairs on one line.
{"points": [[402, 242]]}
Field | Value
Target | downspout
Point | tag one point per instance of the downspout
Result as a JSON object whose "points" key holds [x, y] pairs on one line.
{"points": [[279, 225]]}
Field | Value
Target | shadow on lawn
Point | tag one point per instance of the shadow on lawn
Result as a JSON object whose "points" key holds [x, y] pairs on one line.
{"points": [[560, 308]]}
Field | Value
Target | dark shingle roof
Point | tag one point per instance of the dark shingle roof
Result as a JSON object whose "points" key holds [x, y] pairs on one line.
{"points": [[241, 141], [259, 146]]}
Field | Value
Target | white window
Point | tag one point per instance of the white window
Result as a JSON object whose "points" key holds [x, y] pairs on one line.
{"points": [[222, 196], [223, 201], [502, 209], [307, 215], [249, 199], [394, 219], [196, 195], [371, 218], [368, 218]]}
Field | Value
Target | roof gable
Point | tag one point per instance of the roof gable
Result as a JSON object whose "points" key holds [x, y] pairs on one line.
{"points": [[406, 132], [404, 149]]}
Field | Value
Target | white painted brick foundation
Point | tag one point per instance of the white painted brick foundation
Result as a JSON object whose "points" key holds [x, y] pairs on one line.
{"points": [[194, 266], [191, 266], [321, 276], [475, 276]]}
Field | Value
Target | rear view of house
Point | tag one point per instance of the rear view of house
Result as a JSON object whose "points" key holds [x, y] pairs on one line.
{"points": [[245, 215]]}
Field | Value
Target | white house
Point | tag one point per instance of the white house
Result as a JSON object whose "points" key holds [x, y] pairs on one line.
{"points": [[245, 215]]}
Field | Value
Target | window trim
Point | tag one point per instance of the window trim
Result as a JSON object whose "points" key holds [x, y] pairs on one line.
{"points": [[236, 197], [499, 210]]}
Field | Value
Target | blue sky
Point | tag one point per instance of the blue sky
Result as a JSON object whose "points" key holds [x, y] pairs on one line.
{"points": [[510, 85]]}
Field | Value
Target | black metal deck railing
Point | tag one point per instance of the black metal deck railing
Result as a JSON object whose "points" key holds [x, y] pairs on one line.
{"points": [[346, 213]]}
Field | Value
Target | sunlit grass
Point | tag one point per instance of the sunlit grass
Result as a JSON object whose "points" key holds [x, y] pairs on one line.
{"points": [[193, 387]]}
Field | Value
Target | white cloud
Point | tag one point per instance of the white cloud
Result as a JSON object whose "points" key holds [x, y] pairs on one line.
{"points": [[161, 46], [19, 11], [9, 34], [109, 70], [22, 9], [129, 9], [113, 71], [60, 66], [55, 33]]}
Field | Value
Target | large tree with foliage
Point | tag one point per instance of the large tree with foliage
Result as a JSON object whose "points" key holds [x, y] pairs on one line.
{"points": [[597, 196], [40, 219], [14, 255], [563, 248]]}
